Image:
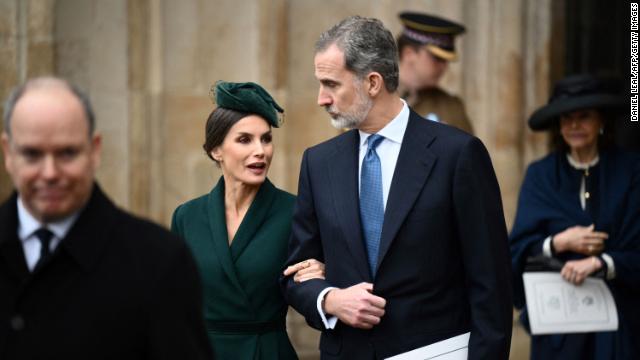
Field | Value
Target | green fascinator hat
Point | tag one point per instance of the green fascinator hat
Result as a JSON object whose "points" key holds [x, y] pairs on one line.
{"points": [[247, 97]]}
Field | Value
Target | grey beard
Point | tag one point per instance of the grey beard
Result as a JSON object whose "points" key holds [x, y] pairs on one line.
{"points": [[351, 120]]}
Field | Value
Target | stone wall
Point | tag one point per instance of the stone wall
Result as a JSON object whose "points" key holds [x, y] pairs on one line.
{"points": [[26, 50]]}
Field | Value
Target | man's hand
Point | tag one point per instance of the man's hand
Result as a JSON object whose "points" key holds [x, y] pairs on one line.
{"points": [[305, 270], [581, 240], [355, 306]]}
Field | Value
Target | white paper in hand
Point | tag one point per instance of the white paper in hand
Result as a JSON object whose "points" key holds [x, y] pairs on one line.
{"points": [[455, 348], [556, 306]]}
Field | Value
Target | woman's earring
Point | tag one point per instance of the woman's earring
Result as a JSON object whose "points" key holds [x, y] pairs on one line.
{"points": [[602, 131]]}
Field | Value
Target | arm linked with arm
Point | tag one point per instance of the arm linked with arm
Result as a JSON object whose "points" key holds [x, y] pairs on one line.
{"points": [[304, 243]]}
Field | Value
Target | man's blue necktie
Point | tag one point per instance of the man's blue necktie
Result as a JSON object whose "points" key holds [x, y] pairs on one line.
{"points": [[371, 203]]}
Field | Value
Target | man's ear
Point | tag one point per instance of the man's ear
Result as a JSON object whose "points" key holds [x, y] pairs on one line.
{"points": [[96, 150], [375, 83], [8, 158]]}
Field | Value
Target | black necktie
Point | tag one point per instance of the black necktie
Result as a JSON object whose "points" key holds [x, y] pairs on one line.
{"points": [[44, 235]]}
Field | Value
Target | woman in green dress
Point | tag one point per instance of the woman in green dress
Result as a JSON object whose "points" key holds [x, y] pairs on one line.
{"points": [[239, 232]]}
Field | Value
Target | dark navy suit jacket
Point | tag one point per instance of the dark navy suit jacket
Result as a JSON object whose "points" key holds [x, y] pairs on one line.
{"points": [[443, 265]]}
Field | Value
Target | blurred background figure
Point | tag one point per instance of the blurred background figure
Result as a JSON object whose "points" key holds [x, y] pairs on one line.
{"points": [[426, 46], [80, 278], [580, 205]]}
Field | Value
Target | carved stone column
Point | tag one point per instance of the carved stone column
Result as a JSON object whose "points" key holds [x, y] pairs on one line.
{"points": [[26, 50]]}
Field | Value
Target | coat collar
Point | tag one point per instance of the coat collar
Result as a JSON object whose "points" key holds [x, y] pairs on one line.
{"points": [[90, 234], [256, 215], [610, 181], [10, 247], [567, 180], [84, 242]]}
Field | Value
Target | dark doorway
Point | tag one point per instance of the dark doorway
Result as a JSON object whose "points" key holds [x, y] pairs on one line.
{"points": [[598, 42]]}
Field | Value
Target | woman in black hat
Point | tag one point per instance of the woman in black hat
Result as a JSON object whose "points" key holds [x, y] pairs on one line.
{"points": [[581, 206], [239, 232]]}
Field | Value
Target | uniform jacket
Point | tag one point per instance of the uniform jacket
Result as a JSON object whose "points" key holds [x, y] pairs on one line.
{"points": [[449, 108]]}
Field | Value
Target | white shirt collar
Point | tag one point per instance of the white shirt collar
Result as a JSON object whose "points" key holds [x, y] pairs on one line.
{"points": [[582, 166], [394, 130], [27, 224]]}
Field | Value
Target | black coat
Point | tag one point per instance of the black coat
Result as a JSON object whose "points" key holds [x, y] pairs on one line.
{"points": [[443, 265], [117, 287]]}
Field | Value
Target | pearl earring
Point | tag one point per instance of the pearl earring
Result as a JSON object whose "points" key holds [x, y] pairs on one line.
{"points": [[602, 131]]}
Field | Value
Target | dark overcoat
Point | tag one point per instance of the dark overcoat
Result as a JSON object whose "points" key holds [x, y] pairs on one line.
{"points": [[116, 287]]}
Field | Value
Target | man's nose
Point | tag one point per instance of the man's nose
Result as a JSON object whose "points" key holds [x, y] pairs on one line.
{"points": [[49, 168], [323, 98]]}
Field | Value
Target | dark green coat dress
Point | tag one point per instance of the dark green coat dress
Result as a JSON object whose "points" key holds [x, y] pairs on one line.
{"points": [[243, 306]]}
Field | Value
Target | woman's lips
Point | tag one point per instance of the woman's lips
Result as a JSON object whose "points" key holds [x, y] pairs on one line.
{"points": [[257, 168]]}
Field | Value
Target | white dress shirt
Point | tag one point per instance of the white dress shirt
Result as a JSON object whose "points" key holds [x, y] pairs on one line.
{"points": [[388, 151], [27, 226]]}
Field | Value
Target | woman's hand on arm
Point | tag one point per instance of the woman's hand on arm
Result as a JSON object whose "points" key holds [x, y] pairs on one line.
{"points": [[305, 270], [580, 239], [576, 271]]}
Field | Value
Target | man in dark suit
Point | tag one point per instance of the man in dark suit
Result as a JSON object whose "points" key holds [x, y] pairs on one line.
{"points": [[79, 278], [405, 213]]}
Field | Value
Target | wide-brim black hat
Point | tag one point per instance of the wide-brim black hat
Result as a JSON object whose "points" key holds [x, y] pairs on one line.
{"points": [[575, 93]]}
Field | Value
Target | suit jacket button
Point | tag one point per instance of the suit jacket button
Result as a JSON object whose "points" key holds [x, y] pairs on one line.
{"points": [[17, 323]]}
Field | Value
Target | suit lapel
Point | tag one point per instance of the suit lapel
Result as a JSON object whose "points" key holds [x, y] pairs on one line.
{"points": [[413, 167], [342, 167], [10, 246]]}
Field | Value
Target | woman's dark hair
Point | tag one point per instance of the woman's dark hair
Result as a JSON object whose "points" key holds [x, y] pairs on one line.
{"points": [[605, 141], [218, 124]]}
